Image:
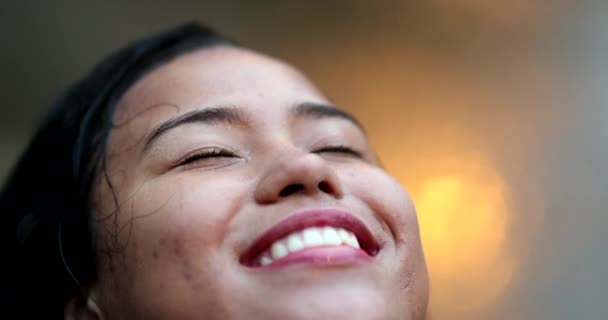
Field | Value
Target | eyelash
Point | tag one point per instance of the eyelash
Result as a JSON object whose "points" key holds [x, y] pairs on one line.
{"points": [[208, 153], [340, 149], [222, 152]]}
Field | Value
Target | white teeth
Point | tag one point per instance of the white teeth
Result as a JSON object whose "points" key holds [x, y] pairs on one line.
{"points": [[348, 238], [278, 250], [312, 237], [330, 236], [294, 242], [265, 260], [344, 235], [309, 237], [353, 241]]}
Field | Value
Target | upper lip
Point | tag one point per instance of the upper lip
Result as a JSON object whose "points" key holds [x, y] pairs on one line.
{"points": [[312, 218]]}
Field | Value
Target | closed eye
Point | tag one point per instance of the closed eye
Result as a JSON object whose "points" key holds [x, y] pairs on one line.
{"points": [[340, 149], [207, 153]]}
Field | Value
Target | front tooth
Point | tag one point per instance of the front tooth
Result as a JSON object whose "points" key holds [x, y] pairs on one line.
{"points": [[312, 237], [278, 250], [330, 236], [294, 243]]}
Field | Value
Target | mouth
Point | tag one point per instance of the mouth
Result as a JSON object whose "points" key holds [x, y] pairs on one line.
{"points": [[319, 237]]}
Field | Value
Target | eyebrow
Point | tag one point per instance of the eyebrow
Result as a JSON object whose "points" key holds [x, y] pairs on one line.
{"points": [[213, 116], [322, 111], [233, 116]]}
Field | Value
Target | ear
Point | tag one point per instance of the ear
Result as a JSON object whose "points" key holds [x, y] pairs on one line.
{"points": [[83, 308]]}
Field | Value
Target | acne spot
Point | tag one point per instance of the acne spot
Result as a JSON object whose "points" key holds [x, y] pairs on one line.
{"points": [[177, 248], [181, 255]]}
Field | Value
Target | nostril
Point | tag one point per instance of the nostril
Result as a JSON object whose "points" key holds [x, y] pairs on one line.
{"points": [[325, 187], [291, 189]]}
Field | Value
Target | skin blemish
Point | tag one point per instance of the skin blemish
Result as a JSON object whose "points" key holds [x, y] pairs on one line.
{"points": [[182, 256], [177, 249]]}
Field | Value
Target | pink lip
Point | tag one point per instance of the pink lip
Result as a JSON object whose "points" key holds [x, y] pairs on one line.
{"points": [[329, 255]]}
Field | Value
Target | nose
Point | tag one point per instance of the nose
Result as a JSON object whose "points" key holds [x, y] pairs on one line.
{"points": [[304, 174]]}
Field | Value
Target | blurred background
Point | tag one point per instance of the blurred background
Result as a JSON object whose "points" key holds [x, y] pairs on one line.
{"points": [[491, 113]]}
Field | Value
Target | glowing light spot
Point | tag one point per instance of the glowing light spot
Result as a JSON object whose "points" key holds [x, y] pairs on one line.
{"points": [[464, 224]]}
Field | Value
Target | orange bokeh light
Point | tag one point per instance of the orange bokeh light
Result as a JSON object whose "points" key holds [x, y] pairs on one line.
{"points": [[464, 220]]}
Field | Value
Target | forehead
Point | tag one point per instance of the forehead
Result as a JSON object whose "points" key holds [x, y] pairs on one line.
{"points": [[216, 76]]}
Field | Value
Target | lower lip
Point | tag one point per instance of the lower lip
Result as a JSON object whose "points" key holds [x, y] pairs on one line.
{"points": [[321, 257]]}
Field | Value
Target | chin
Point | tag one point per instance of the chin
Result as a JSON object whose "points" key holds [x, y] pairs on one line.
{"points": [[340, 299]]}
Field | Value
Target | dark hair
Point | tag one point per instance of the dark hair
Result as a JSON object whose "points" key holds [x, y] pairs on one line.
{"points": [[49, 248]]}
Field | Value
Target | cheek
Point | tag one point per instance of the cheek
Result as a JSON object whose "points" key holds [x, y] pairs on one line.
{"points": [[391, 202], [163, 242], [387, 198], [176, 205]]}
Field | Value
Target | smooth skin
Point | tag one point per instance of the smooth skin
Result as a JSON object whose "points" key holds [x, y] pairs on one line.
{"points": [[210, 150]]}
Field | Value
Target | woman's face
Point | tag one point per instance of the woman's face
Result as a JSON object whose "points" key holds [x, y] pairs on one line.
{"points": [[235, 192]]}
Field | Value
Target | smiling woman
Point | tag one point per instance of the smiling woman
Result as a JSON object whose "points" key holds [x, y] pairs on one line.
{"points": [[186, 177]]}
